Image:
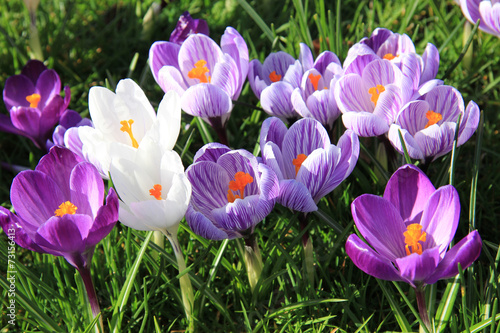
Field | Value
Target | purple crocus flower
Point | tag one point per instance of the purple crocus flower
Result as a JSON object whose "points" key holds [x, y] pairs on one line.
{"points": [[428, 124], [308, 166], [315, 97], [385, 44], [232, 192], [409, 230], [68, 123], [34, 102], [485, 10], [187, 26], [206, 76], [59, 208]]}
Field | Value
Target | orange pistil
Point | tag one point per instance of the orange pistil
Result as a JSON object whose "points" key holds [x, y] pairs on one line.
{"points": [[156, 191], [34, 99], [127, 128], [414, 235], [390, 56], [433, 117], [297, 162], [241, 179], [65, 208], [314, 80], [274, 77], [199, 71], [375, 92]]}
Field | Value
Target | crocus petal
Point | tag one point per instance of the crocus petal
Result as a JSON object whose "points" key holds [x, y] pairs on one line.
{"points": [[33, 69], [271, 155], [412, 146], [276, 100], [417, 267], [203, 227], [464, 252], [380, 224], [242, 215], [210, 152], [306, 57], [163, 54], [195, 48], [272, 130], [23, 230], [170, 78], [206, 101], [167, 125], [234, 45], [440, 217], [408, 190], [16, 89], [430, 57], [370, 261], [365, 124], [296, 196], [105, 219], [436, 140], [469, 123], [225, 75], [87, 189], [48, 86], [352, 95]]}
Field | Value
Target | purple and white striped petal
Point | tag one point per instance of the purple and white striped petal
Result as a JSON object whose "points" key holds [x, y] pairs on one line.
{"points": [[365, 124], [170, 78], [206, 101], [204, 227], [276, 100], [296, 196], [210, 152], [163, 54], [272, 130], [469, 123]]}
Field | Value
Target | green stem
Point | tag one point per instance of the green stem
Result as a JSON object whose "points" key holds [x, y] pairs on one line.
{"points": [[184, 281], [92, 297], [159, 240], [253, 260], [308, 248]]}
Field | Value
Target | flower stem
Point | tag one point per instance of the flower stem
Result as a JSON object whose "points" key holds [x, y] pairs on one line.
{"points": [[422, 308], [158, 239], [92, 297], [184, 281], [253, 260], [220, 129], [308, 249]]}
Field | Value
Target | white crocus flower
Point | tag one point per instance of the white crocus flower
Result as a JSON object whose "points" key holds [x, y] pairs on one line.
{"points": [[124, 119]]}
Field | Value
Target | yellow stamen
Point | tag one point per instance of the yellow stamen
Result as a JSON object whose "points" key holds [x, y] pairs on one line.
{"points": [[390, 56], [156, 191], [414, 235], [34, 99], [127, 128], [274, 77], [65, 208], [314, 80], [433, 117], [375, 92], [297, 162], [199, 71], [241, 179]]}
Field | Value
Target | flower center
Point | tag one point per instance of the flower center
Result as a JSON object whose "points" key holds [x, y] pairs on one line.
{"points": [[414, 235], [389, 56], [297, 162], [274, 77], [65, 208], [156, 191], [433, 117], [127, 128], [199, 70], [375, 92], [34, 99], [314, 80], [241, 179]]}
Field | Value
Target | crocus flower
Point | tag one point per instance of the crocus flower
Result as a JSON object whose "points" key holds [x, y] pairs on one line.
{"points": [[187, 26], [206, 76], [59, 210], [370, 99], [232, 192], [315, 97], [488, 12], [274, 81], [34, 103], [385, 44], [125, 119], [428, 124], [409, 230], [307, 165], [69, 122]]}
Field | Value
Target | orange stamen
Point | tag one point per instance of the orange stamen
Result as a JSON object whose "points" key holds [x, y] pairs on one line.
{"points": [[156, 191], [241, 179], [65, 208], [414, 235], [433, 117], [297, 162], [199, 71], [274, 77], [375, 92], [314, 80], [34, 99], [389, 56], [127, 128]]}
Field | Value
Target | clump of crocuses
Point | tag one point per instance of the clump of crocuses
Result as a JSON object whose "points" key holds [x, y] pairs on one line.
{"points": [[33, 99]]}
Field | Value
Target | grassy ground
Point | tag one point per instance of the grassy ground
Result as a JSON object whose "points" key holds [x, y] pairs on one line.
{"points": [[99, 42]]}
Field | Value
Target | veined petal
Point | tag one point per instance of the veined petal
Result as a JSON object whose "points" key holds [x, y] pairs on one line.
{"points": [[418, 267], [271, 155], [226, 75], [436, 140], [351, 94], [370, 261], [170, 78], [242, 215], [203, 227], [163, 54], [210, 152], [276, 100], [206, 101], [233, 44], [412, 145], [430, 57], [324, 60], [306, 57], [296, 196], [272, 130], [241, 161], [255, 75], [469, 123], [365, 124]]}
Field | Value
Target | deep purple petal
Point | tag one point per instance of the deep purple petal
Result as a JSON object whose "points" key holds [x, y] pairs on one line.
{"points": [[464, 252], [87, 189], [58, 165], [48, 86], [370, 261], [105, 219], [408, 190], [324, 60], [417, 267], [33, 69], [16, 89], [21, 230], [380, 224]]}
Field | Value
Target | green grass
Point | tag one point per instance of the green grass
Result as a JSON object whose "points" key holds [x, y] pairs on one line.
{"points": [[100, 42]]}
